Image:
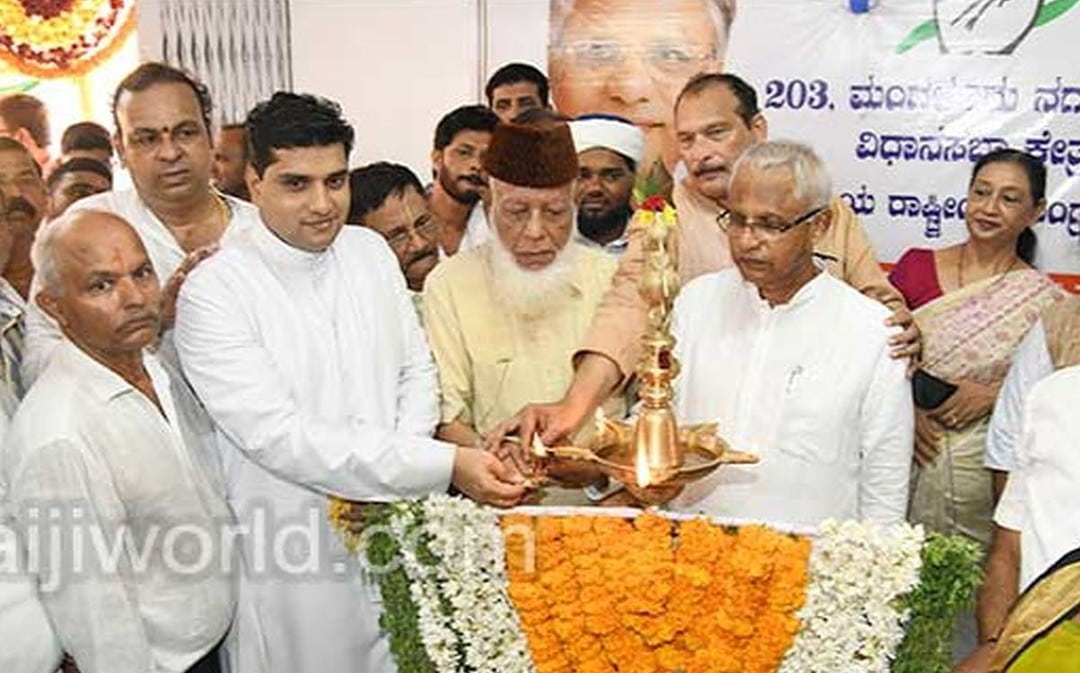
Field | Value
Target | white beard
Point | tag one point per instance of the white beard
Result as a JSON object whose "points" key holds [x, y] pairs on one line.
{"points": [[531, 294]]}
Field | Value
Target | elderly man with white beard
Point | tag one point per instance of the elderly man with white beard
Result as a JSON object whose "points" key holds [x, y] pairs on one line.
{"points": [[504, 318]]}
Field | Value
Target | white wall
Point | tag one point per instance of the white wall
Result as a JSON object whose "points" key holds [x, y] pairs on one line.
{"points": [[397, 66]]}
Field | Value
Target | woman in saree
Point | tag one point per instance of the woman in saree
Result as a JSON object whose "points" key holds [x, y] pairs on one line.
{"points": [[1042, 632], [973, 302]]}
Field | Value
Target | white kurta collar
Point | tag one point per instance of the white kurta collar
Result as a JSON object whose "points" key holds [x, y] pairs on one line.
{"points": [[102, 381], [285, 257], [804, 295]]}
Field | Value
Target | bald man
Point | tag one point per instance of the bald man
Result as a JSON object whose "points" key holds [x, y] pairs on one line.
{"points": [[113, 443]]}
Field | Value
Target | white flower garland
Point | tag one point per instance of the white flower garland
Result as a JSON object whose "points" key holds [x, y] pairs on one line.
{"points": [[439, 640], [461, 600], [857, 573], [472, 579]]}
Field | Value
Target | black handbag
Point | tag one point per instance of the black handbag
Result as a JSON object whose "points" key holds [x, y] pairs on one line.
{"points": [[929, 391]]}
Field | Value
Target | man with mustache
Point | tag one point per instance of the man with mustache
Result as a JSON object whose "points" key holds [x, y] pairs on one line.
{"points": [[760, 344], [22, 617], [504, 318], [609, 149], [717, 118], [460, 189], [162, 118], [390, 199], [110, 443], [26, 198], [304, 346]]}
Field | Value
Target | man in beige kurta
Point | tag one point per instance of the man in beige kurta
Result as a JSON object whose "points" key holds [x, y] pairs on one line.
{"points": [[504, 319], [716, 118]]}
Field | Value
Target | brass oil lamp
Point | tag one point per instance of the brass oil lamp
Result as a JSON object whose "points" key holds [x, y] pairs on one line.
{"points": [[653, 456]]}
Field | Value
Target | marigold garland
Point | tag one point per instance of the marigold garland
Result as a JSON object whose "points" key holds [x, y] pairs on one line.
{"points": [[63, 41], [652, 595]]}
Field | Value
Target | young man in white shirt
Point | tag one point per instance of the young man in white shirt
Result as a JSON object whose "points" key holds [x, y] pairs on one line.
{"points": [[104, 450], [303, 343], [793, 363]]}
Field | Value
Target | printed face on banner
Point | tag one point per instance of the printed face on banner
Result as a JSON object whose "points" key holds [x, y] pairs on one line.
{"points": [[631, 58]]}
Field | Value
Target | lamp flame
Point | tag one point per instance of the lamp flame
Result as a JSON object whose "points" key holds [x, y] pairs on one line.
{"points": [[538, 448]]}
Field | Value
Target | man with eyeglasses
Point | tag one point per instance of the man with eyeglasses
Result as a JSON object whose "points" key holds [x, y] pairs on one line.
{"points": [[717, 118], [631, 58], [791, 362], [162, 120], [609, 149], [504, 318], [390, 199]]}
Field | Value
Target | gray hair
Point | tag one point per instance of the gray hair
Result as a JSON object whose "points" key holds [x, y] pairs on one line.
{"points": [[43, 252], [43, 255], [721, 12], [813, 186]]}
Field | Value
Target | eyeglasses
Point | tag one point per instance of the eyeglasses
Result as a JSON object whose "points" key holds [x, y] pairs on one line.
{"points": [[425, 230], [668, 58], [769, 229]]}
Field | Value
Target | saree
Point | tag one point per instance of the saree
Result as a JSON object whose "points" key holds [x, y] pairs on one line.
{"points": [[1040, 634], [971, 333]]}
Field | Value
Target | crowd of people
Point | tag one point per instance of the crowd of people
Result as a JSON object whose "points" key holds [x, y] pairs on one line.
{"points": [[195, 365]]}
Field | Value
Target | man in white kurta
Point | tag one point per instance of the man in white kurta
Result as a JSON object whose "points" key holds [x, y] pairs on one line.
{"points": [[306, 350], [792, 363], [172, 206], [1042, 497], [104, 450]]}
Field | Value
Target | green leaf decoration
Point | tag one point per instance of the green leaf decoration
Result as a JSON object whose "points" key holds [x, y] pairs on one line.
{"points": [[948, 580], [924, 31], [1053, 10]]}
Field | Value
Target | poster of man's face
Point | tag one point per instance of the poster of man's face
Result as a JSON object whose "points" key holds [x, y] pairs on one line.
{"points": [[632, 57]]}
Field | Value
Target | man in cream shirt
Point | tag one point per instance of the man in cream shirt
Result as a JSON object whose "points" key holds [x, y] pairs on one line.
{"points": [[791, 362]]}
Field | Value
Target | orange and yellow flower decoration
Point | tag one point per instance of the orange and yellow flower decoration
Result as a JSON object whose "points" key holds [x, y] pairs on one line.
{"points": [[650, 595], [62, 38]]}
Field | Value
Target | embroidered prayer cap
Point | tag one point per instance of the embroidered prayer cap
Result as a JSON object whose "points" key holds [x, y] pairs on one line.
{"points": [[610, 133], [539, 154]]}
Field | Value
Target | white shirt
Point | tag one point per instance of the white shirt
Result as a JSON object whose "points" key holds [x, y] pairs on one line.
{"points": [[477, 231], [1042, 497], [319, 379], [809, 387], [22, 617], [42, 333], [1031, 364], [103, 457]]}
